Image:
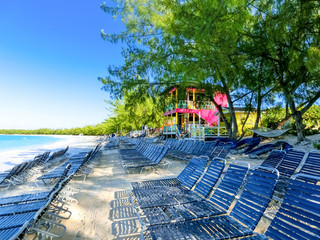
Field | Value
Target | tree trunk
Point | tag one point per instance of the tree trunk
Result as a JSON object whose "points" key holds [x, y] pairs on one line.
{"points": [[300, 126], [233, 119], [256, 124], [297, 115], [224, 119]]}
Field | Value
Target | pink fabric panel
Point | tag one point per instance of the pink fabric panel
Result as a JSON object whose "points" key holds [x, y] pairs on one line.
{"points": [[221, 99], [209, 116]]}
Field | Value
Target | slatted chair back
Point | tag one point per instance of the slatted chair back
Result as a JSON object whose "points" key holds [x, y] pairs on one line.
{"points": [[191, 173], [312, 165], [14, 232], [173, 142], [204, 148], [256, 196], [24, 198], [12, 172], [182, 145], [290, 163], [299, 214], [150, 150], [155, 154], [192, 147], [144, 147], [211, 177], [187, 146], [198, 148], [162, 153], [137, 148], [211, 146], [274, 158], [177, 145], [165, 143], [230, 185], [3, 176], [225, 150], [139, 143], [216, 151]]}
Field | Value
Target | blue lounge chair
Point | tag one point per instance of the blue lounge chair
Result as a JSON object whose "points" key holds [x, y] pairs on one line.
{"points": [[194, 148], [14, 232], [290, 163], [180, 193], [57, 154], [312, 165], [151, 157], [219, 203], [298, 217], [112, 144], [280, 145], [188, 176], [241, 221], [274, 158]]}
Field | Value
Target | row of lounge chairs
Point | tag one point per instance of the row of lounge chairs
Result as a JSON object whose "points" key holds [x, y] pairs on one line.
{"points": [[288, 162], [21, 172], [297, 218], [173, 211], [142, 155], [112, 144], [187, 149], [41, 212], [19, 214], [57, 154], [76, 162]]}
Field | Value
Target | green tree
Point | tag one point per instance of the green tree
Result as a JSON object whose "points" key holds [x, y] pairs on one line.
{"points": [[285, 35], [169, 42]]}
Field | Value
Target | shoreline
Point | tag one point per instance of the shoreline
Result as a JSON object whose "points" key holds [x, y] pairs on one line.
{"points": [[10, 158]]}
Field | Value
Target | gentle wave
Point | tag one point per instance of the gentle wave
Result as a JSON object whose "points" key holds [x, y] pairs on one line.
{"points": [[10, 142]]}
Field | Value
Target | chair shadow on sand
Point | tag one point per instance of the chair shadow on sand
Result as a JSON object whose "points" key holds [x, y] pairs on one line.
{"points": [[126, 225]]}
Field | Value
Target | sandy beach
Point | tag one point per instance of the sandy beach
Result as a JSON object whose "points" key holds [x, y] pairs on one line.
{"points": [[104, 210]]}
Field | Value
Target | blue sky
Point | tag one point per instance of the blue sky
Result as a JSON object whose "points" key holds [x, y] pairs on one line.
{"points": [[51, 54]]}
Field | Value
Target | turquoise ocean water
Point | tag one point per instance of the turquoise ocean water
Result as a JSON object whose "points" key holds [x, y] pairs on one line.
{"points": [[12, 142]]}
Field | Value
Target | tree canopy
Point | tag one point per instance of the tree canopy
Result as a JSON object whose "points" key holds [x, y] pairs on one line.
{"points": [[249, 50]]}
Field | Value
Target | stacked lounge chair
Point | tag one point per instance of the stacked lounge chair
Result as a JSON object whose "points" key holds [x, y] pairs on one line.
{"points": [[21, 172], [21, 213], [241, 221], [219, 203], [76, 162], [298, 217], [246, 145], [312, 165], [112, 144], [280, 145], [57, 154], [179, 194], [145, 155]]}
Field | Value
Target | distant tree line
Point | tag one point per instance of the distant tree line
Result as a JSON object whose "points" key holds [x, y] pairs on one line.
{"points": [[124, 117], [149, 114]]}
